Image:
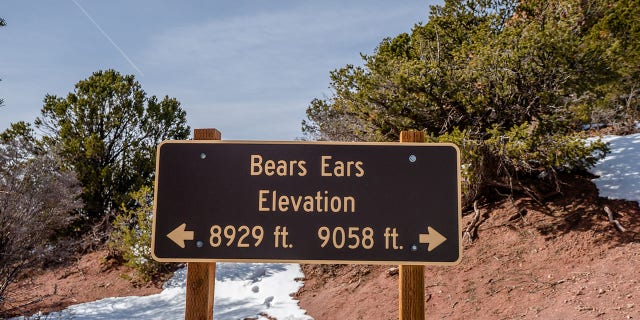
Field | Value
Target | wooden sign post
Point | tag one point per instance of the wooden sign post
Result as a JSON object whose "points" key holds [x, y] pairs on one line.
{"points": [[201, 276], [306, 202], [411, 277]]}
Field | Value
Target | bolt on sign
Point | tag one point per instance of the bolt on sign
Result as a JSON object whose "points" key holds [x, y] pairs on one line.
{"points": [[383, 203]]}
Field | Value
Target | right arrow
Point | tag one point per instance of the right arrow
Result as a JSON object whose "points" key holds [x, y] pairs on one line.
{"points": [[432, 237], [179, 235]]}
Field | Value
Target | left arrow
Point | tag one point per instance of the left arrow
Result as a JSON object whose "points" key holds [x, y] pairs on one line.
{"points": [[179, 235]]}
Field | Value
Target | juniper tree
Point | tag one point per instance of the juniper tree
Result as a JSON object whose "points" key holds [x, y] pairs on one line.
{"points": [[504, 79], [107, 130]]}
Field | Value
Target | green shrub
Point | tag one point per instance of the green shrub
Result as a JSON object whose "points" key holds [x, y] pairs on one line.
{"points": [[503, 158], [131, 236], [471, 162]]}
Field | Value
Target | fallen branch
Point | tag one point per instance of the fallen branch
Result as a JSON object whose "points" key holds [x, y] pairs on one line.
{"points": [[471, 231], [614, 221], [520, 213]]}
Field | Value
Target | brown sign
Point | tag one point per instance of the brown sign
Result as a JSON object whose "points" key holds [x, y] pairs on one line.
{"points": [[385, 203]]}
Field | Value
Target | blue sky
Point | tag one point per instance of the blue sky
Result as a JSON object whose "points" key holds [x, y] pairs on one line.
{"points": [[248, 68]]}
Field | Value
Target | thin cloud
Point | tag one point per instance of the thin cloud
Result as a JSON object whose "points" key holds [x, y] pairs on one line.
{"points": [[262, 37], [259, 65]]}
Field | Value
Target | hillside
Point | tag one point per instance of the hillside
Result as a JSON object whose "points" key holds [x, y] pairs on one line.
{"points": [[559, 260]]}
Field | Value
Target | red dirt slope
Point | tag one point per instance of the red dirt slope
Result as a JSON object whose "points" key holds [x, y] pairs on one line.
{"points": [[558, 260]]}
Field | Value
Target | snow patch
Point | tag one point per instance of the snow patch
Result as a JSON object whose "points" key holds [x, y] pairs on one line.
{"points": [[619, 172], [235, 297]]}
